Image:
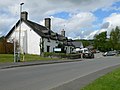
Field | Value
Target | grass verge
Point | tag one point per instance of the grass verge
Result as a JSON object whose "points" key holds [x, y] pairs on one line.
{"points": [[110, 81], [4, 58]]}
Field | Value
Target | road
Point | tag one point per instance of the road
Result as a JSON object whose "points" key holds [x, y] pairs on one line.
{"points": [[46, 77]]}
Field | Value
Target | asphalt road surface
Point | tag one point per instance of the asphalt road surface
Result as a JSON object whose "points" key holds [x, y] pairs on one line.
{"points": [[46, 77]]}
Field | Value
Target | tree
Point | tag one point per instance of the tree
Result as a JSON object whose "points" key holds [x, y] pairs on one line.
{"points": [[85, 42], [115, 38], [62, 46], [100, 41]]}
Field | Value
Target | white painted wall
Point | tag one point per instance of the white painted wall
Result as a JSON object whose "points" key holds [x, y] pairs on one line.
{"points": [[33, 42], [29, 39], [52, 44], [68, 49]]}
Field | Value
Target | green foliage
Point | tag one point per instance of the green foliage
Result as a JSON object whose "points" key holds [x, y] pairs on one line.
{"points": [[103, 43], [115, 38], [100, 41], [52, 54], [61, 55], [5, 58], [47, 54], [86, 42], [62, 46], [41, 46]]}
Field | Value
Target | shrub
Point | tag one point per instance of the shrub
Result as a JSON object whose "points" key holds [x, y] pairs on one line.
{"points": [[47, 54], [62, 55]]}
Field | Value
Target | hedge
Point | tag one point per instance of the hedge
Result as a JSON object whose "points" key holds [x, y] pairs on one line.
{"points": [[61, 55]]}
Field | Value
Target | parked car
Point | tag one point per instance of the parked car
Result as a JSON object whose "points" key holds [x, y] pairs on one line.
{"points": [[97, 51], [118, 51], [86, 53], [110, 53]]}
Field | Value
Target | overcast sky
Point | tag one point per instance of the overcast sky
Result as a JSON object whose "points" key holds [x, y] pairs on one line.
{"points": [[79, 18]]}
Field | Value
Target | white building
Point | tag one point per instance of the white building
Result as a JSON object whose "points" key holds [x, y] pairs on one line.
{"points": [[35, 38]]}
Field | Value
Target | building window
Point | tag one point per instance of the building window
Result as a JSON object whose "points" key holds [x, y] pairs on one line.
{"points": [[66, 49], [71, 49], [56, 41], [48, 39], [48, 48]]}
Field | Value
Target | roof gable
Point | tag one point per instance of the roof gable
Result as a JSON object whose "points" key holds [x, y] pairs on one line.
{"points": [[39, 29], [36, 27], [12, 30]]}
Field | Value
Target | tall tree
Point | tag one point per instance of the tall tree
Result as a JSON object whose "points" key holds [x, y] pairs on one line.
{"points": [[115, 38], [100, 41]]}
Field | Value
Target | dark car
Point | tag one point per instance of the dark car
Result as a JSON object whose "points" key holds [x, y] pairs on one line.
{"points": [[110, 53], [88, 55], [118, 51]]}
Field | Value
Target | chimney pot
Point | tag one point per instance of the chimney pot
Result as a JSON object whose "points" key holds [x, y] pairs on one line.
{"points": [[24, 15], [48, 23], [63, 32]]}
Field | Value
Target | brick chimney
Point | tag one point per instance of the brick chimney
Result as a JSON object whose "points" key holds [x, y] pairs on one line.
{"points": [[63, 32], [24, 15], [48, 23]]}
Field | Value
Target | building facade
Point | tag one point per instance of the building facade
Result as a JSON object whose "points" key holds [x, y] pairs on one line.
{"points": [[35, 38]]}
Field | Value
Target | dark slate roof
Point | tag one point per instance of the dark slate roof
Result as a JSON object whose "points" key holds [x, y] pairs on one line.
{"points": [[77, 44], [68, 42], [36, 27], [40, 30]]}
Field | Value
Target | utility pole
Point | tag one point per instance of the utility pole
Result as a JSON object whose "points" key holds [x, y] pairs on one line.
{"points": [[20, 33]]}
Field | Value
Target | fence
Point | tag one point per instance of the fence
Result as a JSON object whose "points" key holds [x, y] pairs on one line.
{"points": [[5, 47]]}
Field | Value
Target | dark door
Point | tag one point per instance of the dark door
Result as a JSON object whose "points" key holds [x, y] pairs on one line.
{"points": [[48, 48]]}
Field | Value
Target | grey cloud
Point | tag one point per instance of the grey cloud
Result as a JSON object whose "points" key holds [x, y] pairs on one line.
{"points": [[38, 10], [105, 25]]}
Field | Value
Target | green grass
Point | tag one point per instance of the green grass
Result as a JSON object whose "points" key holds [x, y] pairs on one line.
{"points": [[110, 81], [4, 58]]}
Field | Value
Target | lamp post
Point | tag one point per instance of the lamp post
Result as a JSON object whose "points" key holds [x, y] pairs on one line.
{"points": [[20, 33]]}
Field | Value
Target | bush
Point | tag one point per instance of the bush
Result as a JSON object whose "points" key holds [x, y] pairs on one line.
{"points": [[47, 54], [62, 55], [73, 56]]}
